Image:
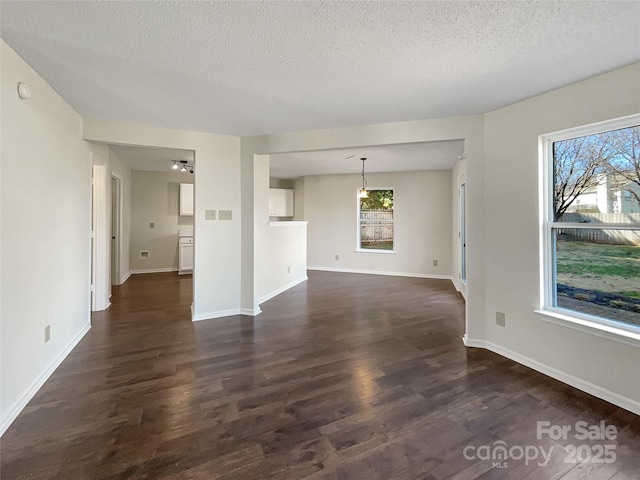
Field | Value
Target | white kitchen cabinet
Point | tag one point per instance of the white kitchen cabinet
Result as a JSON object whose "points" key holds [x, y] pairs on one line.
{"points": [[186, 199], [185, 255], [280, 202]]}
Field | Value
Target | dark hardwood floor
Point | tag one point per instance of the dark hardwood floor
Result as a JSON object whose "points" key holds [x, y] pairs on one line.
{"points": [[342, 377]]}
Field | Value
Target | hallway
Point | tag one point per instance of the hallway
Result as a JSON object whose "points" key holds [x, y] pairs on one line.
{"points": [[345, 376]]}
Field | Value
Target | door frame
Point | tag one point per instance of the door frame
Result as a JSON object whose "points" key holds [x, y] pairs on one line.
{"points": [[115, 245], [100, 236], [462, 234]]}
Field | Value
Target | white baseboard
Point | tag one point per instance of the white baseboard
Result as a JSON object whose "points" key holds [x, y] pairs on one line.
{"points": [[24, 399], [376, 272], [102, 308], [217, 314], [470, 342], [278, 291], [125, 278], [595, 390], [153, 270], [251, 312]]}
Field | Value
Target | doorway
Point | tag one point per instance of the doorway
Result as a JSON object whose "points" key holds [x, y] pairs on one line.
{"points": [[115, 231], [463, 236]]}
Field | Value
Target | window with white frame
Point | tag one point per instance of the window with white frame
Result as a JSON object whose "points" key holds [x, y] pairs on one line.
{"points": [[375, 221], [590, 246]]}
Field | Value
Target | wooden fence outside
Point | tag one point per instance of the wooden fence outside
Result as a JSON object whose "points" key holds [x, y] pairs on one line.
{"points": [[615, 237], [376, 228]]}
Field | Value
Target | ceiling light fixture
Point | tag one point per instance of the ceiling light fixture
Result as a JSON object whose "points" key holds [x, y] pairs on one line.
{"points": [[363, 190], [182, 165]]}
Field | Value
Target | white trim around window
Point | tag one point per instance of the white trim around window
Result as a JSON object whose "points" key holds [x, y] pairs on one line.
{"points": [[622, 332], [374, 251]]}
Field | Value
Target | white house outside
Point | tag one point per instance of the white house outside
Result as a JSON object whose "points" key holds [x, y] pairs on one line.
{"points": [[613, 194]]}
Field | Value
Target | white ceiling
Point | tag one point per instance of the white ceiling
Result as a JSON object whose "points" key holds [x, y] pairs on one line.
{"points": [[151, 159], [246, 68], [406, 157]]}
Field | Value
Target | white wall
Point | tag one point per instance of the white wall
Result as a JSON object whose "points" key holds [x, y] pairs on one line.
{"points": [[604, 367], [280, 247], [298, 199], [216, 278], [45, 234], [422, 223], [155, 199], [282, 263]]}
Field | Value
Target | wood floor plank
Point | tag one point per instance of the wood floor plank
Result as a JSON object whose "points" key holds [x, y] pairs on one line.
{"points": [[342, 377]]}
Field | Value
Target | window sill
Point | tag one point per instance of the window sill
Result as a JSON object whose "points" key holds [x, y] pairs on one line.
{"points": [[382, 252], [627, 334]]}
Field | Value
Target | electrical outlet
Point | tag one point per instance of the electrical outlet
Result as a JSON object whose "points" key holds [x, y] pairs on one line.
{"points": [[225, 215], [435, 263], [144, 254], [209, 214], [47, 333], [152, 225], [288, 269], [337, 257], [500, 319]]}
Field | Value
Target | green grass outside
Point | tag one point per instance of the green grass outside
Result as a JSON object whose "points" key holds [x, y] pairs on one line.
{"points": [[602, 274], [580, 258]]}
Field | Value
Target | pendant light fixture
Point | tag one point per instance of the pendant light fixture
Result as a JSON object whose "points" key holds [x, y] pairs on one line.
{"points": [[363, 190]]}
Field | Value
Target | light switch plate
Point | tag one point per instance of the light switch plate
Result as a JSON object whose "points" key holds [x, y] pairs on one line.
{"points": [[209, 214], [225, 215]]}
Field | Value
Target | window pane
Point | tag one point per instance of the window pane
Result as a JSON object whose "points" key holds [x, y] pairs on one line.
{"points": [[597, 177], [376, 220], [598, 272]]}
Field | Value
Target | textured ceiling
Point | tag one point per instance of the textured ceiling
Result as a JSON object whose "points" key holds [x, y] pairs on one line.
{"points": [[246, 68], [151, 159], [405, 157]]}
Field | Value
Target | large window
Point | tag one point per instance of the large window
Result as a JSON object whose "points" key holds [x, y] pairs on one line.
{"points": [[591, 228], [375, 221]]}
